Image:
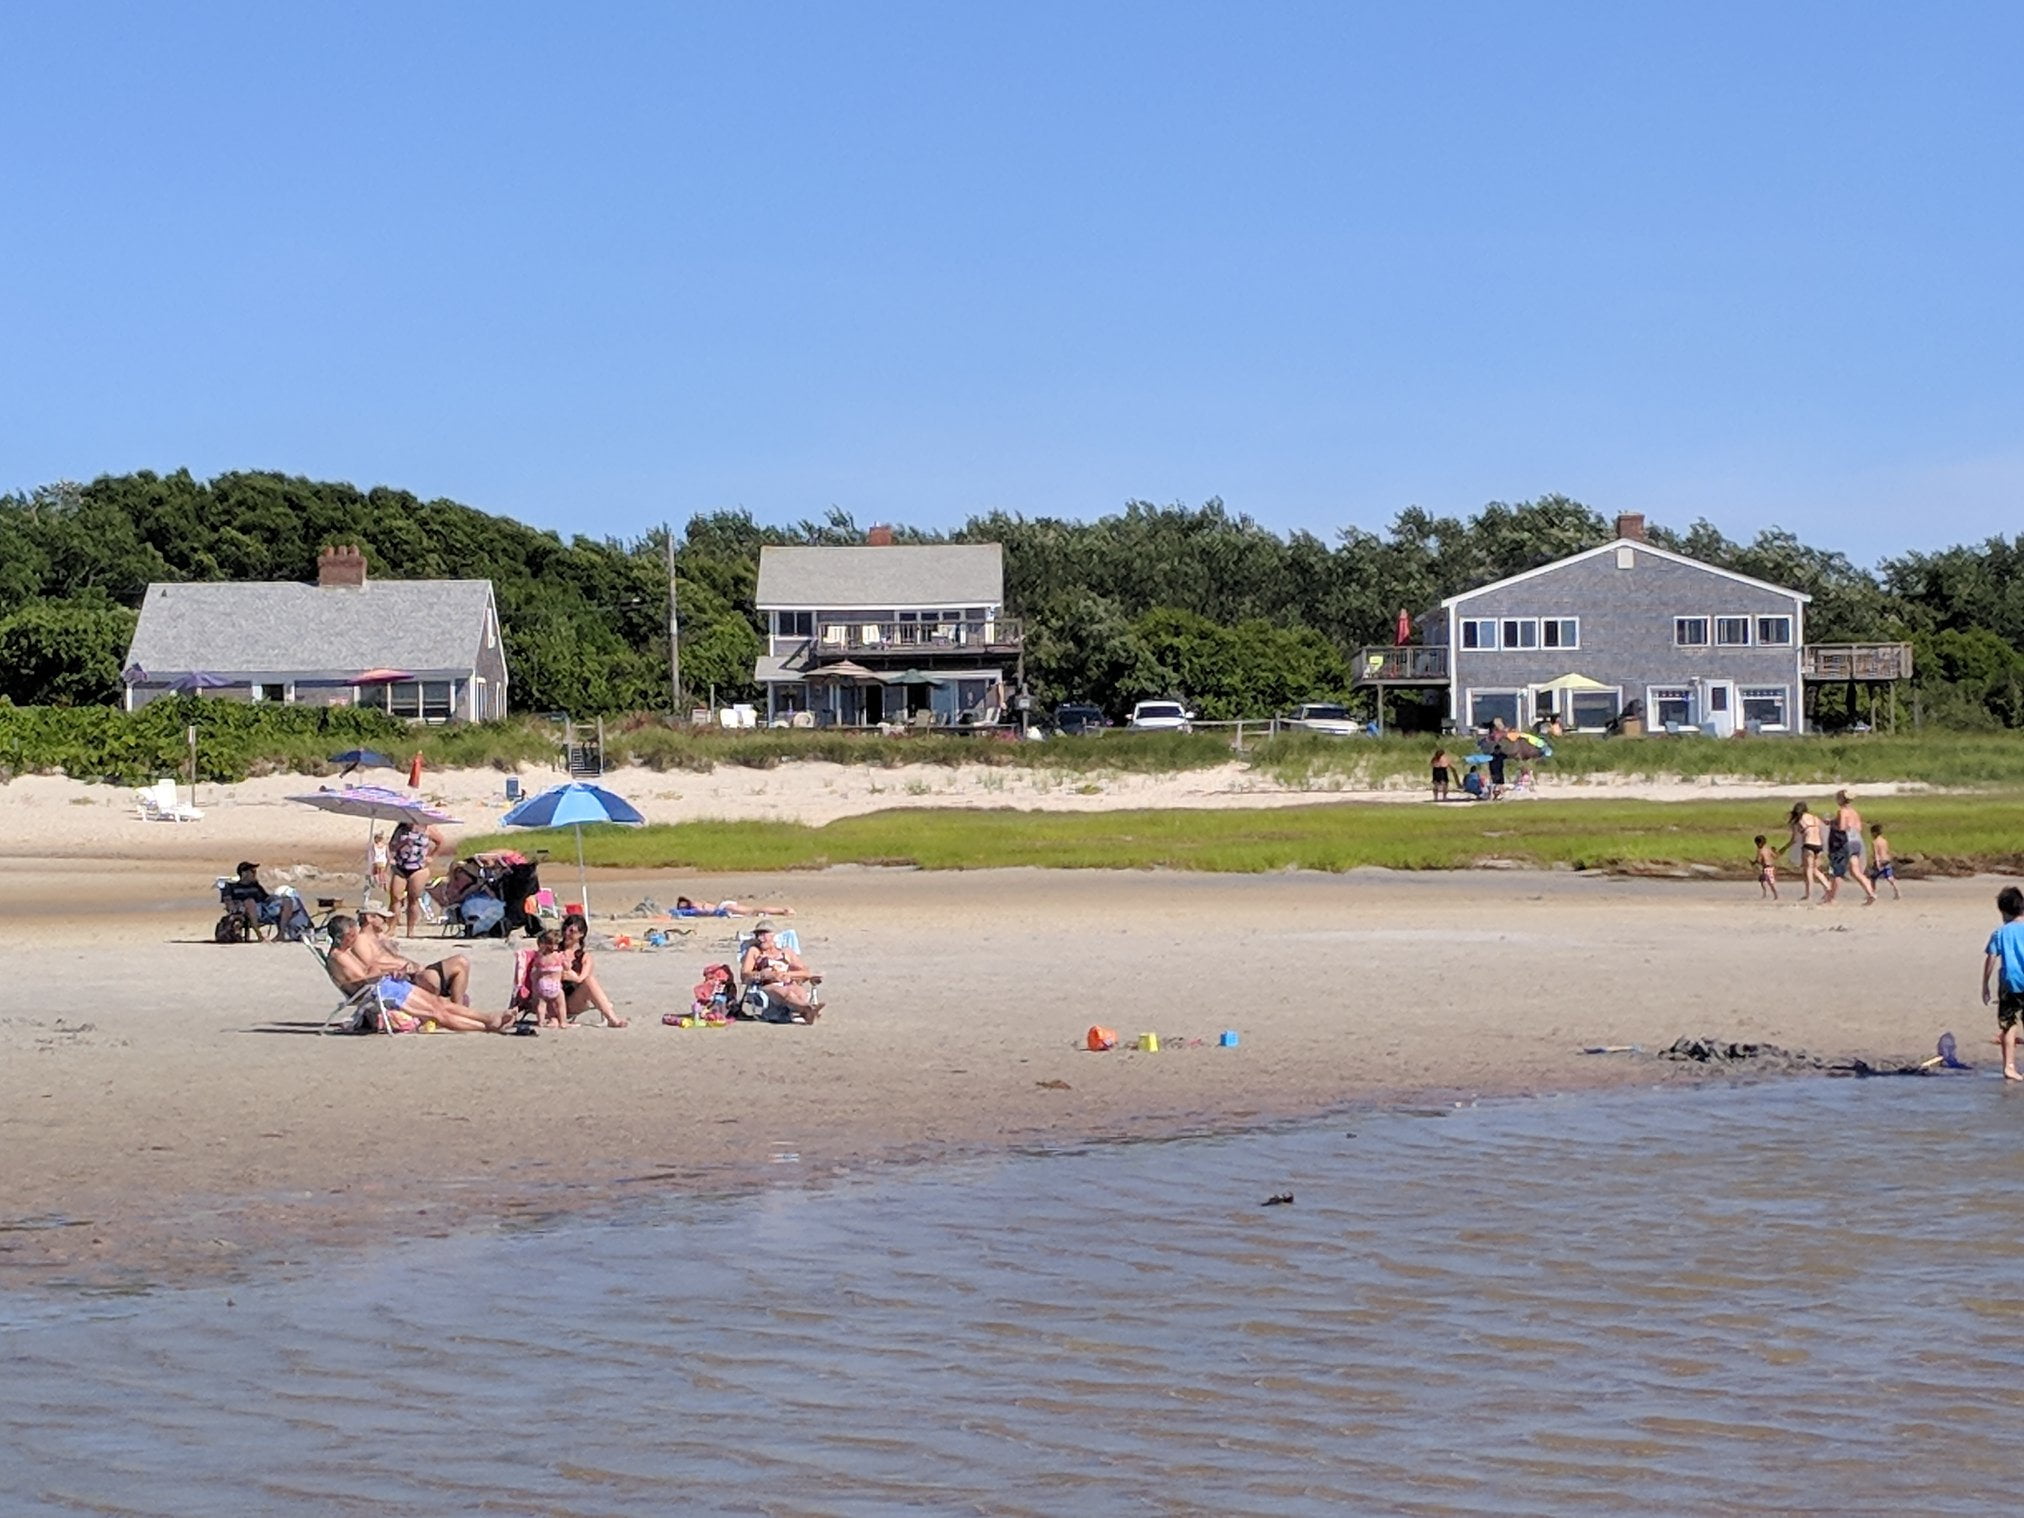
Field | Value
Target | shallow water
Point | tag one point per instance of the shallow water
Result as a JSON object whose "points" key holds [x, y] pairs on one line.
{"points": [[1793, 1297]]}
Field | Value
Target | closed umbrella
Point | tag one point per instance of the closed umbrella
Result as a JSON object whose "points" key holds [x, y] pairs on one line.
{"points": [[375, 803], [1402, 634], [362, 759], [571, 806]]}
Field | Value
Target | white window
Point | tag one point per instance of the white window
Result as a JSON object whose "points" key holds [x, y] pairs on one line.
{"points": [[1774, 632], [1560, 632], [1732, 632], [1764, 705], [1520, 632], [1591, 711], [1690, 632], [1479, 633], [1486, 706], [404, 699], [1672, 706], [439, 700]]}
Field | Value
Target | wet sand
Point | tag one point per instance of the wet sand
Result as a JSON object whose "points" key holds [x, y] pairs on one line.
{"points": [[167, 1110]]}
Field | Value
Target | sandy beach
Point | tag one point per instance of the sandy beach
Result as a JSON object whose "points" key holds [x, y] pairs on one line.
{"points": [[167, 1109], [51, 817]]}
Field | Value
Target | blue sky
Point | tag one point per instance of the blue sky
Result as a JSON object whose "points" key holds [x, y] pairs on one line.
{"points": [[597, 266]]}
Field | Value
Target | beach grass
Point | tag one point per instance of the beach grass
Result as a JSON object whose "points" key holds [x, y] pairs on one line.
{"points": [[1960, 760], [1944, 834]]}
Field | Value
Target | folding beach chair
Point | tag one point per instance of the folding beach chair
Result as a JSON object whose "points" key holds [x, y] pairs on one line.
{"points": [[363, 1010], [755, 1001]]}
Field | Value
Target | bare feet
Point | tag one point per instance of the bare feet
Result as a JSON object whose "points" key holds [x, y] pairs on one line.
{"points": [[2011, 1075]]}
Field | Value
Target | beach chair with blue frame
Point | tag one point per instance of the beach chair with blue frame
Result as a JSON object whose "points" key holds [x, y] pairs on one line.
{"points": [[754, 1001], [361, 1011]]}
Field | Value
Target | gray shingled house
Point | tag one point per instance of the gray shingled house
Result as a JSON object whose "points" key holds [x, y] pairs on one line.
{"points": [[431, 646], [886, 632], [1694, 647]]}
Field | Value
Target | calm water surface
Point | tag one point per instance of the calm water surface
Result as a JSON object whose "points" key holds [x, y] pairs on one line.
{"points": [[1799, 1297]]}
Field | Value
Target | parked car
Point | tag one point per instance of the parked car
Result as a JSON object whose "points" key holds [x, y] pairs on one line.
{"points": [[1326, 717], [1072, 719], [1161, 717]]}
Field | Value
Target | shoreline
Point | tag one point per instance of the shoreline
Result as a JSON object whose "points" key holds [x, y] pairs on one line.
{"points": [[199, 1145]]}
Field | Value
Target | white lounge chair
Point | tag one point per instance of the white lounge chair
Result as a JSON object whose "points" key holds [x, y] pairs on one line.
{"points": [[158, 803]]}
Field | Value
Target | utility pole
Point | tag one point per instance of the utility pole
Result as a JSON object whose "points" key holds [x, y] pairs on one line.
{"points": [[674, 629]]}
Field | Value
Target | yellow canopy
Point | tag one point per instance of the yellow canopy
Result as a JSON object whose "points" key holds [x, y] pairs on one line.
{"points": [[1573, 682]]}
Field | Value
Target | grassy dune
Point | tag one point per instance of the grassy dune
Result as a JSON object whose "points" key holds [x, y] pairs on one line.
{"points": [[1938, 833]]}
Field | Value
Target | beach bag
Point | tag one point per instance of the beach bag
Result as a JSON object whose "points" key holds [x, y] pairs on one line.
{"points": [[231, 928]]}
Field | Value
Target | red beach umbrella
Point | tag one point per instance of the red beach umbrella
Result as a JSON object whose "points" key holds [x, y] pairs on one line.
{"points": [[1403, 633]]}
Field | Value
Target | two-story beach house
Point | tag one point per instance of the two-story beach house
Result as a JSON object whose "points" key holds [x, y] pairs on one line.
{"points": [[887, 632], [1627, 626], [426, 650]]}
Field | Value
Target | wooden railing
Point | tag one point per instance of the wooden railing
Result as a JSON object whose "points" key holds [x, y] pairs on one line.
{"points": [[1423, 665], [1856, 661], [835, 639]]}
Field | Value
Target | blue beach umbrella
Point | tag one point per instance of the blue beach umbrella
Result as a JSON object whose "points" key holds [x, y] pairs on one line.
{"points": [[571, 806]]}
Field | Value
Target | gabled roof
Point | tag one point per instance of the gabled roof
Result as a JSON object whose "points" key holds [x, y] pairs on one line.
{"points": [[937, 575], [286, 627], [1642, 547]]}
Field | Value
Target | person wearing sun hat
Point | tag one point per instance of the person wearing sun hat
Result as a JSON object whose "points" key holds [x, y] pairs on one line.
{"points": [[449, 978]]}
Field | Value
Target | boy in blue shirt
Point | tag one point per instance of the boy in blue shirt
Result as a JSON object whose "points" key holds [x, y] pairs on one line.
{"points": [[2006, 950]]}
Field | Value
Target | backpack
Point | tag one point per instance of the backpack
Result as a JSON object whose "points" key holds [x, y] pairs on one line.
{"points": [[231, 929]]}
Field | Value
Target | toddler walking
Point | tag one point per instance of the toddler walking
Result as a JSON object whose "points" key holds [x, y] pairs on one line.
{"points": [[551, 1005], [1884, 861], [1767, 869]]}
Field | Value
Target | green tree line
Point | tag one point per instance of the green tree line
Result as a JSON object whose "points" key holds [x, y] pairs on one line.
{"points": [[1151, 600]]}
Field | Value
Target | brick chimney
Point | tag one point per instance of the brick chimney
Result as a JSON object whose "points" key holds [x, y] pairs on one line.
{"points": [[878, 535], [1631, 525], [341, 567]]}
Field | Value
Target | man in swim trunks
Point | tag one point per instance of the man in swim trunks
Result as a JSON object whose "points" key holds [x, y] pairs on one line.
{"points": [[355, 964], [449, 978]]}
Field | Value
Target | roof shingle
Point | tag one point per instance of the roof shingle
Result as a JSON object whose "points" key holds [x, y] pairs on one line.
{"points": [[286, 627], [878, 579]]}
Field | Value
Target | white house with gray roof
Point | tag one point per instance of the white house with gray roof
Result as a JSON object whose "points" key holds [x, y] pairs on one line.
{"points": [[426, 650], [886, 632]]}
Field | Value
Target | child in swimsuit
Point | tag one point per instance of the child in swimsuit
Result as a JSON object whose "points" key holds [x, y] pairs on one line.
{"points": [[551, 1004], [1767, 869], [1886, 864]]}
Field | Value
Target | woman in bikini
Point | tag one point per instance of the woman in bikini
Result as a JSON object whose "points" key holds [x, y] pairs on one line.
{"points": [[580, 989], [1809, 837]]}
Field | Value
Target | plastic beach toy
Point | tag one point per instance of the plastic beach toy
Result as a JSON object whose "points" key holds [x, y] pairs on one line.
{"points": [[1228, 1040], [1150, 1042], [1100, 1039]]}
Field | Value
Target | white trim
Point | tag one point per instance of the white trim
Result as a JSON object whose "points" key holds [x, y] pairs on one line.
{"points": [[1641, 547], [1652, 722], [1614, 691], [1560, 647], [1784, 696], [1493, 646], [1694, 616], [1749, 630], [1518, 692], [1757, 630]]}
